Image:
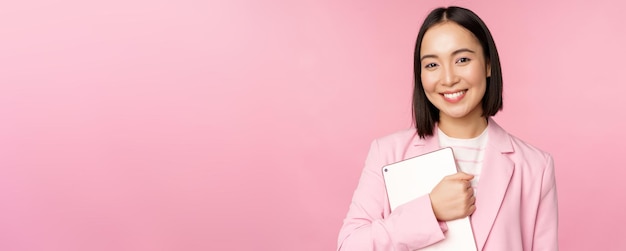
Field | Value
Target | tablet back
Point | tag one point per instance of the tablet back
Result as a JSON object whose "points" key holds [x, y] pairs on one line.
{"points": [[411, 178]]}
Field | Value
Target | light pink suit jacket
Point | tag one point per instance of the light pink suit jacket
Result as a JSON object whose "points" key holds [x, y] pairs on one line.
{"points": [[516, 202]]}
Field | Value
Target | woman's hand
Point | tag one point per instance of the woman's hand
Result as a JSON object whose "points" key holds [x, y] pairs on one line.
{"points": [[453, 198]]}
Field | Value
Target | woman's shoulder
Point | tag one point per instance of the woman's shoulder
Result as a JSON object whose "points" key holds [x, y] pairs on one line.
{"points": [[398, 138], [524, 151], [528, 148], [393, 147], [518, 150], [517, 146], [532, 161]]}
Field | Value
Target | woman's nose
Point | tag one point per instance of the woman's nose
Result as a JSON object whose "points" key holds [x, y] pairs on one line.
{"points": [[449, 77]]}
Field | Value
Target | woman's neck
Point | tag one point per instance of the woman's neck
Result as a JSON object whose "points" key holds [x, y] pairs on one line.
{"points": [[462, 128]]}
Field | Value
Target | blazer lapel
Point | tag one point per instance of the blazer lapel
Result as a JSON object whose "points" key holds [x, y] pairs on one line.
{"points": [[494, 180], [421, 146]]}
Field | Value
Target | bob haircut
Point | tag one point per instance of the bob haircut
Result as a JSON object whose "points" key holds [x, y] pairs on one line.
{"points": [[425, 114]]}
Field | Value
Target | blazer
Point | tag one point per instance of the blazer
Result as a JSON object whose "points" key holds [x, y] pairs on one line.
{"points": [[516, 203]]}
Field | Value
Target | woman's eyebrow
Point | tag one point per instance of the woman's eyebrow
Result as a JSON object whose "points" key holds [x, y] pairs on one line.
{"points": [[453, 53], [462, 50]]}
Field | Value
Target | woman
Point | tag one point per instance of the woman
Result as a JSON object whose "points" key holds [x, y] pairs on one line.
{"points": [[505, 185]]}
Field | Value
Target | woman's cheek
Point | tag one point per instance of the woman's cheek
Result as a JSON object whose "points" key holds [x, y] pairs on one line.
{"points": [[428, 81]]}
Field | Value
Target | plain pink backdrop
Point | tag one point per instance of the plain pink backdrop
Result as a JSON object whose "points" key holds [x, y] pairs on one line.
{"points": [[239, 125]]}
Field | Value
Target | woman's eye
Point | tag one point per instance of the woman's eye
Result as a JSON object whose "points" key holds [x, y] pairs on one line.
{"points": [[431, 65], [463, 60]]}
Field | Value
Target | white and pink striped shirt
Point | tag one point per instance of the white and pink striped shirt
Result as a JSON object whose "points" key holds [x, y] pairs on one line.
{"points": [[468, 153]]}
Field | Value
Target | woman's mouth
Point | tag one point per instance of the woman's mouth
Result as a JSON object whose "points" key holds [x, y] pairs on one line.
{"points": [[454, 96]]}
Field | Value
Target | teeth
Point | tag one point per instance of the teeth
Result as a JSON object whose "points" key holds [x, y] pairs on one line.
{"points": [[453, 95]]}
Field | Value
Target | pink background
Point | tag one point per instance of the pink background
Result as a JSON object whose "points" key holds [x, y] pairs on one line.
{"points": [[244, 125]]}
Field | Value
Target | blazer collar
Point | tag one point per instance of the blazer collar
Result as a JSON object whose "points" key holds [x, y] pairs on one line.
{"points": [[494, 180], [498, 138]]}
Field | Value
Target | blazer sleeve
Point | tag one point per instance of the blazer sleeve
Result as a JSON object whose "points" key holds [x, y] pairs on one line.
{"points": [[366, 227], [546, 225]]}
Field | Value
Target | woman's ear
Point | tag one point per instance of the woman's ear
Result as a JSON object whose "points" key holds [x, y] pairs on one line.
{"points": [[488, 70]]}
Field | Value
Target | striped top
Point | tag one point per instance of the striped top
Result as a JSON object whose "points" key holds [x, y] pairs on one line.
{"points": [[468, 153]]}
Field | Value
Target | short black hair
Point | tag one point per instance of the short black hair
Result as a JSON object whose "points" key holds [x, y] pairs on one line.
{"points": [[425, 114]]}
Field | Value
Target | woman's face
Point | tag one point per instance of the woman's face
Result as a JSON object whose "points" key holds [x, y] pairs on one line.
{"points": [[454, 71]]}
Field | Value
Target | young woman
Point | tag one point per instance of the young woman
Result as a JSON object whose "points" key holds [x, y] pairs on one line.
{"points": [[505, 185]]}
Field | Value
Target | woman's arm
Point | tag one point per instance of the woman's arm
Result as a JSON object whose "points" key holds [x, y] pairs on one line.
{"points": [[410, 226], [546, 225]]}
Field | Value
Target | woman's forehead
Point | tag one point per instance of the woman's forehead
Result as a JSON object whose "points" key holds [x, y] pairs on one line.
{"points": [[448, 37]]}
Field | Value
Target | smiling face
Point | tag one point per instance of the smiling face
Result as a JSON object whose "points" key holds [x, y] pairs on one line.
{"points": [[453, 71]]}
